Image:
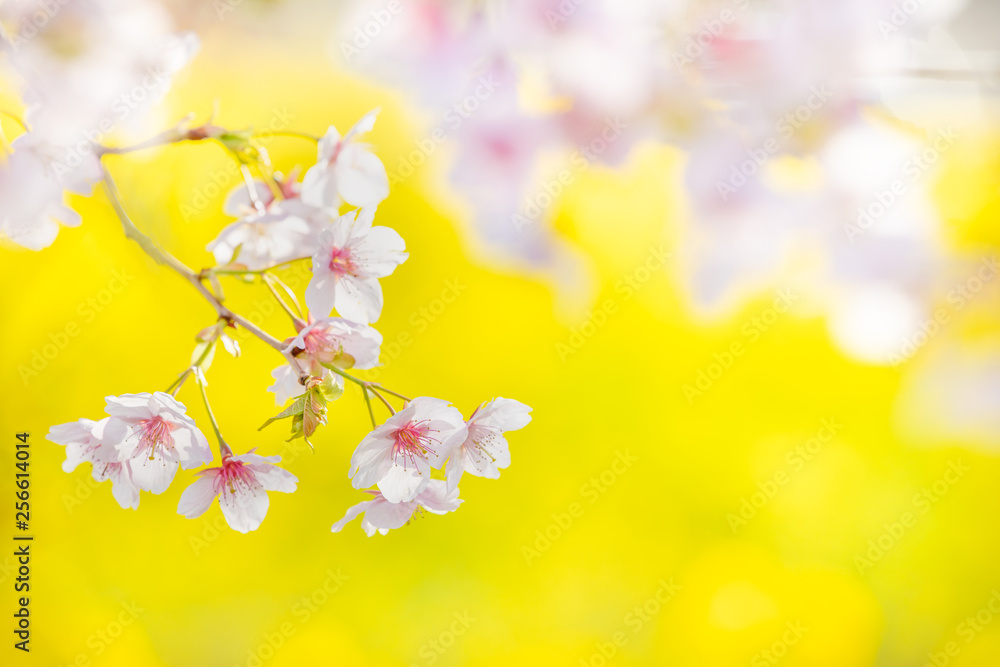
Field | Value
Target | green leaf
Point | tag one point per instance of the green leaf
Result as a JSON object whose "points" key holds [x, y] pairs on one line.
{"points": [[294, 410]]}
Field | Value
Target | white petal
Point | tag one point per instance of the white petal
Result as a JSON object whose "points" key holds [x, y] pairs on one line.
{"points": [[153, 475], [286, 384], [273, 478], [192, 447], [364, 125], [371, 460], [384, 516], [130, 406], [321, 293], [437, 498], [319, 187], [400, 485], [352, 513], [245, 508], [361, 176], [124, 490], [358, 299], [504, 413], [198, 497], [454, 470], [379, 253]]}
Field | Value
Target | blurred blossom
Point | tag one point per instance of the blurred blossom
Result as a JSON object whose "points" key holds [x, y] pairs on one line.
{"points": [[346, 170], [741, 86], [32, 201], [953, 395], [86, 70]]}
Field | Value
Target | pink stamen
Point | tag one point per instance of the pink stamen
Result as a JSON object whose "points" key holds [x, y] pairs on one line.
{"points": [[412, 442], [155, 433], [233, 474], [340, 261]]}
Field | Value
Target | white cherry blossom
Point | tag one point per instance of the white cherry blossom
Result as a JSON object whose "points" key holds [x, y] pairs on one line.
{"points": [[82, 440], [485, 449], [346, 170], [241, 483], [381, 516], [398, 455], [272, 231], [263, 240], [153, 433], [351, 257], [330, 341]]}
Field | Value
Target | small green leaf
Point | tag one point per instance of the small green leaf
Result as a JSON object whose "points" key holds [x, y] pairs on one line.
{"points": [[294, 410]]}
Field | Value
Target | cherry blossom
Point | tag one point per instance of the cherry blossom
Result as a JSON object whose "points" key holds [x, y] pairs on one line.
{"points": [[331, 341], [241, 483], [32, 201], [94, 71], [485, 449], [263, 240], [346, 170], [88, 67], [398, 455], [154, 434], [381, 516], [351, 257], [82, 440], [270, 230]]}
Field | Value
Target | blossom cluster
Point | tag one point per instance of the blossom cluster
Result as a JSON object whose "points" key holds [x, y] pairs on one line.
{"points": [[325, 219], [745, 89]]}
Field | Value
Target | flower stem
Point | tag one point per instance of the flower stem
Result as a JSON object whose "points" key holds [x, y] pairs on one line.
{"points": [[348, 376], [211, 416], [252, 189], [163, 257], [296, 316], [368, 402], [382, 398], [256, 272], [394, 393], [173, 136], [290, 133], [209, 344]]}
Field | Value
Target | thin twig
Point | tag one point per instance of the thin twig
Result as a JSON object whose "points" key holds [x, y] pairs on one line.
{"points": [[163, 257]]}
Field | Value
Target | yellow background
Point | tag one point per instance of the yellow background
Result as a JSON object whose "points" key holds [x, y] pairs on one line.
{"points": [[210, 596]]}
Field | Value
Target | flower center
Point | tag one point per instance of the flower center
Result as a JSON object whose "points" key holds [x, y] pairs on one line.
{"points": [[327, 348], [153, 433], [412, 442], [340, 261], [235, 474]]}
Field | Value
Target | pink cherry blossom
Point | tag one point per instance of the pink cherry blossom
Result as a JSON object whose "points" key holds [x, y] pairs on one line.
{"points": [[382, 516], [330, 341], [485, 449], [346, 170], [338, 342], [398, 455], [351, 257], [241, 484], [82, 440], [153, 433]]}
